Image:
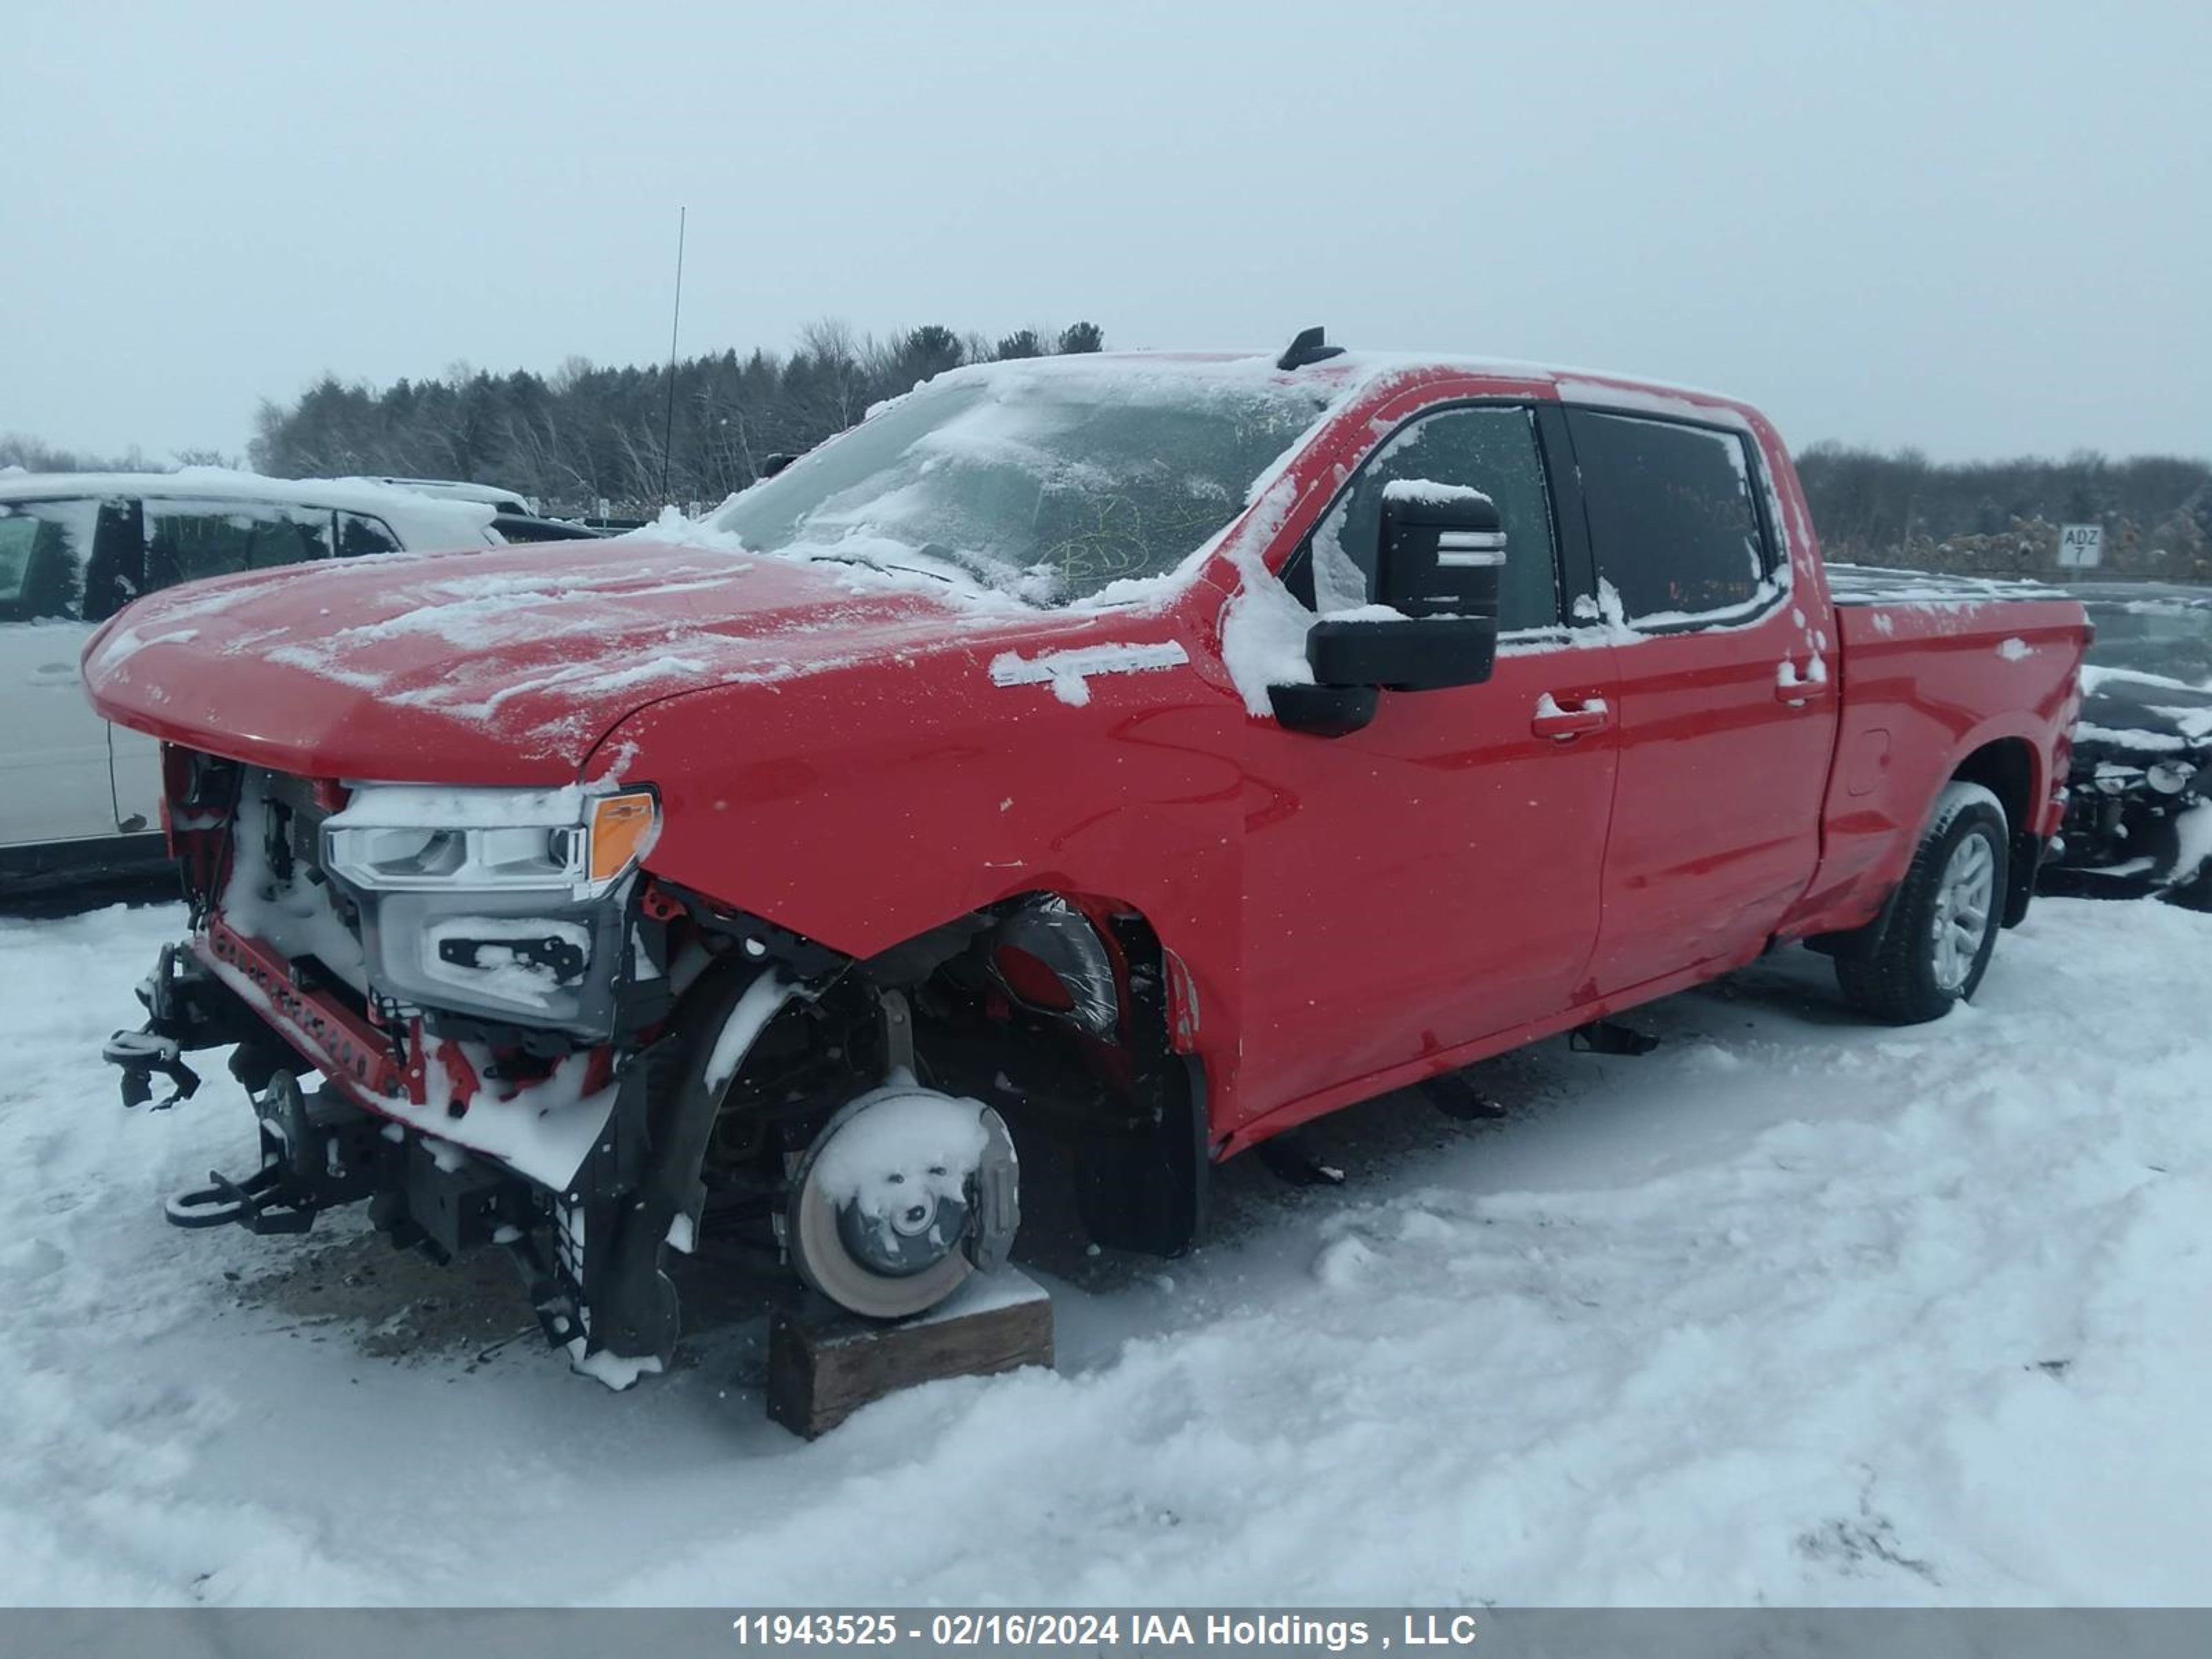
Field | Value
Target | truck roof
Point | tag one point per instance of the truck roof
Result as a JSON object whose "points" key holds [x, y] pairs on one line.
{"points": [[1574, 384], [423, 522]]}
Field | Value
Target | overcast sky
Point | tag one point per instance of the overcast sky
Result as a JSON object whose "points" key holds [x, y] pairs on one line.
{"points": [[1982, 230]]}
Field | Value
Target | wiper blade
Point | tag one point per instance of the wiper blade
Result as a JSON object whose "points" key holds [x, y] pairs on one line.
{"points": [[950, 565]]}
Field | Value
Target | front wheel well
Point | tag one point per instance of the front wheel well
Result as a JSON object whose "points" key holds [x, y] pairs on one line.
{"points": [[1053, 1007]]}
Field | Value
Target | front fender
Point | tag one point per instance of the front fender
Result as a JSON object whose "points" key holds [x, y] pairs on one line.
{"points": [[864, 807]]}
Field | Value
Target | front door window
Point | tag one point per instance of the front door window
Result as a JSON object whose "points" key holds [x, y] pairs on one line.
{"points": [[1489, 447]]}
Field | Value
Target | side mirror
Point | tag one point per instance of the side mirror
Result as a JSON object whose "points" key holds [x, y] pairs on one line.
{"points": [[1442, 550], [1407, 653], [1441, 556]]}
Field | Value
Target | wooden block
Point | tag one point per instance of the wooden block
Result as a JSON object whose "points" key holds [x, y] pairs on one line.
{"points": [[824, 1363]]}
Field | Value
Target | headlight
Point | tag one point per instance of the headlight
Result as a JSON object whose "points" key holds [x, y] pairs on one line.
{"points": [[2169, 777], [492, 902], [408, 838]]}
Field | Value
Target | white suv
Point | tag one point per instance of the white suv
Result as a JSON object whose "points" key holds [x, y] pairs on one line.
{"points": [[79, 796]]}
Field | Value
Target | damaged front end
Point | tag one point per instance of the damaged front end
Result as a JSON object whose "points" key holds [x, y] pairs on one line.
{"points": [[2139, 801], [450, 1004], [2139, 822], [474, 1010]]}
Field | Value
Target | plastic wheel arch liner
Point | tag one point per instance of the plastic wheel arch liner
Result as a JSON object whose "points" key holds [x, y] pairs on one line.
{"points": [[1053, 931]]}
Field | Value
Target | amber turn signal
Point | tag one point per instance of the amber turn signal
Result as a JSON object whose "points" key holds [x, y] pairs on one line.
{"points": [[622, 830]]}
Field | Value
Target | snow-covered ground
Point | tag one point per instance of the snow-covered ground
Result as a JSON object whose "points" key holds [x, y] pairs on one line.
{"points": [[1793, 1310]]}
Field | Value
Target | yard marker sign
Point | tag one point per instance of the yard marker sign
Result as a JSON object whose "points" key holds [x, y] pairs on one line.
{"points": [[2080, 546]]}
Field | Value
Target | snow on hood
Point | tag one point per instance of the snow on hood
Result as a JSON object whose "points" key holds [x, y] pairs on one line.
{"points": [[505, 666], [2144, 715]]}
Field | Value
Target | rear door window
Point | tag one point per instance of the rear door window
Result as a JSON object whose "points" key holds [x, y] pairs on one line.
{"points": [[1673, 517], [67, 561], [38, 577], [191, 541]]}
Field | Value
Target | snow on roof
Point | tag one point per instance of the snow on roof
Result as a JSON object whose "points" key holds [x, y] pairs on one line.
{"points": [[1355, 369], [422, 522], [456, 490]]}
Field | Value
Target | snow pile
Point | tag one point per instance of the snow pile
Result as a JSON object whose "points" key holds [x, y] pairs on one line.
{"points": [[1068, 672], [902, 1143], [1788, 676], [1792, 1311], [1054, 481], [1263, 626], [421, 806], [1867, 584], [759, 1003], [1426, 492], [502, 964], [295, 915], [1263, 642]]}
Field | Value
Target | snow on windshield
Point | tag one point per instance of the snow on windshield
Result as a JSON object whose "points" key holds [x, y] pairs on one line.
{"points": [[1046, 482]]}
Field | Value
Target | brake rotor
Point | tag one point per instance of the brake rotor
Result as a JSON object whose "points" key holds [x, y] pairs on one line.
{"points": [[882, 1209]]}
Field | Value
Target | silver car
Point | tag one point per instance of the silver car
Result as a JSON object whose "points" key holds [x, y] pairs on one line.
{"points": [[78, 797]]}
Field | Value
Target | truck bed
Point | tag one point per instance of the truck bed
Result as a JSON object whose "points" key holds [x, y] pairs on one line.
{"points": [[1866, 584], [1934, 667]]}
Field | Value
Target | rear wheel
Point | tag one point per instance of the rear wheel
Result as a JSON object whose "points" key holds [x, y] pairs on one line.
{"points": [[1944, 924]]}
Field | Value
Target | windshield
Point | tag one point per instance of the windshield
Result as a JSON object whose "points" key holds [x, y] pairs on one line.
{"points": [[1045, 483], [2170, 637]]}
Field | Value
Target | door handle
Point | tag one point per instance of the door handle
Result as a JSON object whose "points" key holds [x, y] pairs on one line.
{"points": [[54, 673], [1564, 722], [1799, 692]]}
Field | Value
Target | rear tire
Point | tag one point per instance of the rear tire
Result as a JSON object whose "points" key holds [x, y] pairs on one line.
{"points": [[1944, 923]]}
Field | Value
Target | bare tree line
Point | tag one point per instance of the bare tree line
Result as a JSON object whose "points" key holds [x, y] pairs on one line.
{"points": [[586, 433], [2003, 517]]}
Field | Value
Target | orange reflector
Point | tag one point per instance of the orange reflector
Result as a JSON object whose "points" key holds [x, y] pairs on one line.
{"points": [[622, 827]]}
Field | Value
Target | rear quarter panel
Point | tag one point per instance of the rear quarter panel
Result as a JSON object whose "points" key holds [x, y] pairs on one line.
{"points": [[1929, 682]]}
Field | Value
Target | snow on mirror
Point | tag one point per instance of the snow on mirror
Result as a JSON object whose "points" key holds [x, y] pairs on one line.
{"points": [[1468, 455], [1045, 485]]}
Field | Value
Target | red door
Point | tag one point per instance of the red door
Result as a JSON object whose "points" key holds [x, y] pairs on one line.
{"points": [[1726, 709], [1424, 883], [1435, 878]]}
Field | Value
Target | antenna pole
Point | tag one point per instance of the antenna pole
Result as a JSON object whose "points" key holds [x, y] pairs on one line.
{"points": [[668, 423]]}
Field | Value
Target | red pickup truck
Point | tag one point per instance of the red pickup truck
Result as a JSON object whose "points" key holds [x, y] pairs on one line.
{"points": [[1153, 751]]}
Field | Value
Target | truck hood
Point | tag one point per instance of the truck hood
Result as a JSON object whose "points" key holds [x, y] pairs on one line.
{"points": [[502, 668]]}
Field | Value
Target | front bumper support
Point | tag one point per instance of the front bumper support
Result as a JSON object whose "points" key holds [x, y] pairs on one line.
{"points": [[187, 1007], [318, 1151]]}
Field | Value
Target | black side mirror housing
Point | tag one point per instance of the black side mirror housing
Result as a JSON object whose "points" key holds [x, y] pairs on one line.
{"points": [[1438, 565], [1412, 653], [1442, 552], [1322, 711]]}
